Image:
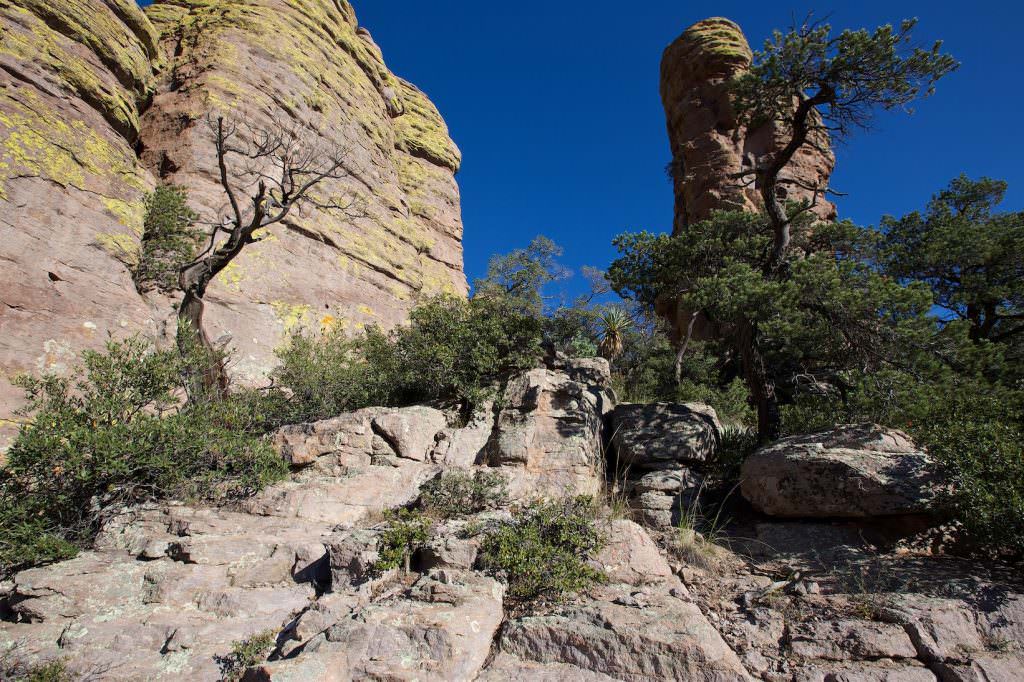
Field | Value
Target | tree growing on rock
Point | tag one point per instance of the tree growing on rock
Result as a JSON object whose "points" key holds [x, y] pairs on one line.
{"points": [[268, 173], [812, 85], [743, 275]]}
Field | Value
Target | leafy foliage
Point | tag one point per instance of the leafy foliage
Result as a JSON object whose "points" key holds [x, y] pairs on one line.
{"points": [[406, 532], [519, 277], [825, 312], [543, 551], [451, 349], [245, 654], [118, 436], [848, 76], [458, 493], [970, 256], [169, 240]]}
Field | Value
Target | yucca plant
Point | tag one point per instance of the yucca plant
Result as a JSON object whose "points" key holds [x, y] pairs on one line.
{"points": [[614, 323]]}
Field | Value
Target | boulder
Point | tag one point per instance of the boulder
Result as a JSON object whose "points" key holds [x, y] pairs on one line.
{"points": [[549, 432], [664, 435], [661, 496], [666, 638], [850, 472], [630, 556]]}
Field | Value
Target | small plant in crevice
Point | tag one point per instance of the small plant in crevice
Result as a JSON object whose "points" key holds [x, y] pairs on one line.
{"points": [[544, 551], [459, 493], [406, 532], [169, 240], [245, 654], [699, 538]]}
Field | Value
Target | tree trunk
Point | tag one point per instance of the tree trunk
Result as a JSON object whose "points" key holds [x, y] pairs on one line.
{"points": [[762, 392], [209, 381]]}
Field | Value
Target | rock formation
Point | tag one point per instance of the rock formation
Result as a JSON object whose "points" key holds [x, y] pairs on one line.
{"points": [[100, 102], [709, 145], [170, 588]]}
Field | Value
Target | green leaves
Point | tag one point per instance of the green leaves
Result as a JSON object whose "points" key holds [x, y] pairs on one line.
{"points": [[543, 551], [117, 437], [845, 77], [452, 349], [169, 240], [971, 257]]}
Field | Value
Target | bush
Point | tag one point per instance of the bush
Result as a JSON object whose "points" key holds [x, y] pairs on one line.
{"points": [[452, 349], [245, 654], [544, 550], [406, 532], [117, 436], [168, 240], [457, 493]]}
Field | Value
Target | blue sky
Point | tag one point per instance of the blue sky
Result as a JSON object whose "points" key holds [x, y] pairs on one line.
{"points": [[555, 106]]}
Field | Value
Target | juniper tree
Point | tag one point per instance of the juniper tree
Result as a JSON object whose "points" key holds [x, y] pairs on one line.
{"points": [[266, 172]]}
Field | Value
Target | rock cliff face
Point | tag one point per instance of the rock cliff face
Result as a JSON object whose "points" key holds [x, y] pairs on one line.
{"points": [[709, 145], [100, 102]]}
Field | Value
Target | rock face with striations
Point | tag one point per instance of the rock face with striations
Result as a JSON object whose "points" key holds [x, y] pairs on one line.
{"points": [[100, 102], [709, 145]]}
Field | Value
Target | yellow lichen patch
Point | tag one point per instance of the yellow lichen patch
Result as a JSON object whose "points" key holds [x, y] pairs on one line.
{"points": [[35, 140], [366, 310], [124, 247], [328, 322], [26, 37], [232, 276], [129, 214], [422, 131], [93, 24], [290, 315]]}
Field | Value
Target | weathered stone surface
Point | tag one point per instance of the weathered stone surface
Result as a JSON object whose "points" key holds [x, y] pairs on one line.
{"points": [[100, 102], [853, 471], [664, 435], [411, 432], [548, 435], [666, 639], [850, 640], [442, 630], [72, 78], [710, 147], [630, 556], [661, 496]]}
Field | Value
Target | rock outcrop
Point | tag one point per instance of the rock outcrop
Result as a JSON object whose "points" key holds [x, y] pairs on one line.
{"points": [[100, 102], [709, 145], [661, 451], [170, 589], [852, 472]]}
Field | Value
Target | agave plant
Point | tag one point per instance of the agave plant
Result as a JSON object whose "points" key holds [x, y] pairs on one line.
{"points": [[614, 324]]}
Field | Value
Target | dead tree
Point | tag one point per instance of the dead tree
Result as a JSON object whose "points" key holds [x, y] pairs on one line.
{"points": [[267, 172]]}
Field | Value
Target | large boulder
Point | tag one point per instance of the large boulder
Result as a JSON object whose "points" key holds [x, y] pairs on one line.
{"points": [[549, 433], [664, 435], [850, 472]]}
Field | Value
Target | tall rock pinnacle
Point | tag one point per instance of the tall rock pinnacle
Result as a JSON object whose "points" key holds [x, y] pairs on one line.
{"points": [[709, 145]]}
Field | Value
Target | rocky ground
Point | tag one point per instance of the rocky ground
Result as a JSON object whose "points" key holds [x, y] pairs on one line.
{"points": [[169, 589]]}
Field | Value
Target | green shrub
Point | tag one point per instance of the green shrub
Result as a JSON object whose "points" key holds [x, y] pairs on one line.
{"points": [[169, 240], [451, 349], [458, 493], [406, 532], [544, 550], [971, 427], [118, 436], [245, 654]]}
